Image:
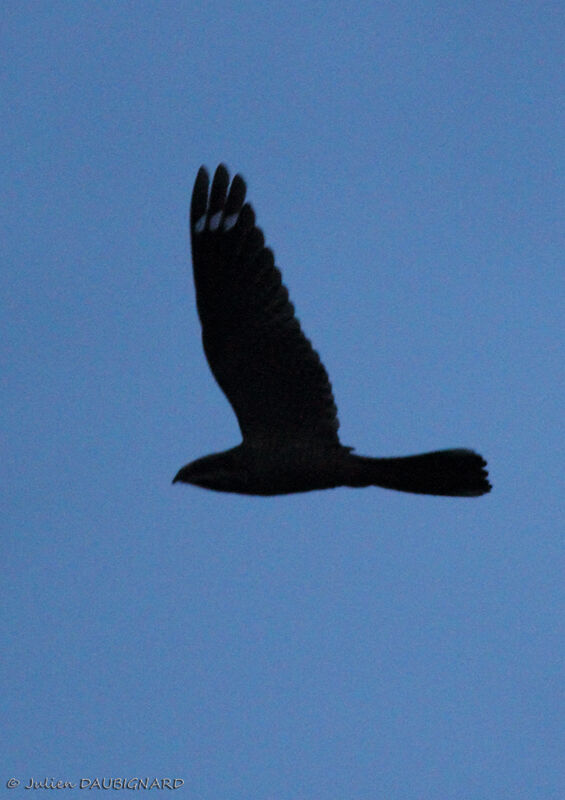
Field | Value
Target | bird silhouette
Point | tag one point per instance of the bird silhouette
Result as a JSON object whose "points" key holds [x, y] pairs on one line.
{"points": [[274, 379]]}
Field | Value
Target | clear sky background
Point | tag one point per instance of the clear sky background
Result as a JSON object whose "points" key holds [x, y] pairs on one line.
{"points": [[406, 162]]}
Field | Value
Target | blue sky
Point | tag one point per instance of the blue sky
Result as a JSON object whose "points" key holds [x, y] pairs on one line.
{"points": [[406, 164]]}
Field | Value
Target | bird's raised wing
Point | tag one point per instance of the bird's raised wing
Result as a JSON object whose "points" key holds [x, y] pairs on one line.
{"points": [[268, 370]]}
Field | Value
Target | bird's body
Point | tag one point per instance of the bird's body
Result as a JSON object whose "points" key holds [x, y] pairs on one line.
{"points": [[274, 379], [270, 468]]}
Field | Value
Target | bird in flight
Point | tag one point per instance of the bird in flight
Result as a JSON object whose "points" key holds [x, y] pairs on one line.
{"points": [[274, 379]]}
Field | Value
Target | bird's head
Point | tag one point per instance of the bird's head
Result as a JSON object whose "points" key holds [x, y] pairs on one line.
{"points": [[223, 472]]}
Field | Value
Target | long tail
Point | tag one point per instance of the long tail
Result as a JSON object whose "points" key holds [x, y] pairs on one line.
{"points": [[457, 473]]}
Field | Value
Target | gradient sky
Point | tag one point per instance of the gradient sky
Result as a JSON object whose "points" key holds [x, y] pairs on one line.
{"points": [[405, 160]]}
